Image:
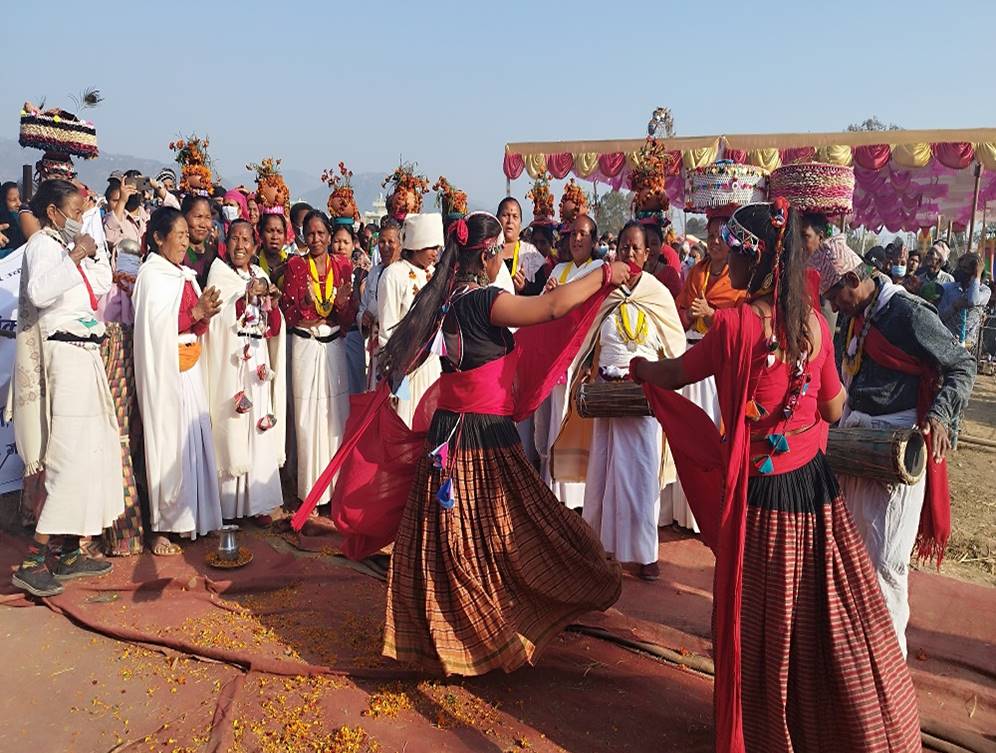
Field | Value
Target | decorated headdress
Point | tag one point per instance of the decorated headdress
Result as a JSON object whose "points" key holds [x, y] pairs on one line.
{"points": [[271, 191], [60, 131], [542, 200], [647, 181], [717, 190], [342, 202], [195, 165], [814, 187], [572, 204], [60, 134], [406, 198], [451, 199]]}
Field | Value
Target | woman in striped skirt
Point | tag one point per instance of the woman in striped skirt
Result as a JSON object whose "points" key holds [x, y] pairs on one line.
{"points": [[806, 657]]}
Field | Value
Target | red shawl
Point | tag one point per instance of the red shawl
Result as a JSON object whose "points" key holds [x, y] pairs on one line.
{"points": [[713, 471], [376, 467], [935, 517]]}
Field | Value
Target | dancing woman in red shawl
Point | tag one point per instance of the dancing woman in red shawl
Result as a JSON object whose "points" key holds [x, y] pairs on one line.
{"points": [[806, 658], [487, 565]]}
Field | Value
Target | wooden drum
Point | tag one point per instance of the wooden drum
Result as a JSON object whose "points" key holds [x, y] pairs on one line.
{"points": [[892, 457], [612, 400]]}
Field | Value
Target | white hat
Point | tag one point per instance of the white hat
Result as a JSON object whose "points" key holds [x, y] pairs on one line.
{"points": [[422, 231]]}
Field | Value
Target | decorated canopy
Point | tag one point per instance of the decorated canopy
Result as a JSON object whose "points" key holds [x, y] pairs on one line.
{"points": [[904, 180]]}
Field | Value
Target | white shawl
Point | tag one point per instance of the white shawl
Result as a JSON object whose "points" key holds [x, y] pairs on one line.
{"points": [[157, 295], [653, 298], [222, 356]]}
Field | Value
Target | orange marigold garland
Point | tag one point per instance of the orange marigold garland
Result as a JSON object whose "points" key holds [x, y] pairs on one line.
{"points": [[573, 203], [451, 199], [195, 164], [342, 201], [647, 180], [542, 200], [408, 190]]}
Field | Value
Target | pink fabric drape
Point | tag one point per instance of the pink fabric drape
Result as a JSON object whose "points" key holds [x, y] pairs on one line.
{"points": [[736, 155], [955, 155], [873, 156], [559, 164], [513, 166], [794, 155], [611, 164]]}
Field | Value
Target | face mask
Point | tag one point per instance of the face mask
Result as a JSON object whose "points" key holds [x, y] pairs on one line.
{"points": [[230, 213], [71, 230], [133, 203], [899, 270]]}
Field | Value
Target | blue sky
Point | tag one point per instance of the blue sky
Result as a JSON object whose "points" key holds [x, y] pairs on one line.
{"points": [[448, 84]]}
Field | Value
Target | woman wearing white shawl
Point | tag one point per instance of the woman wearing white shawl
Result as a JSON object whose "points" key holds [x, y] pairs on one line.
{"points": [[64, 418], [421, 240], [626, 461], [170, 315], [244, 352], [550, 415]]}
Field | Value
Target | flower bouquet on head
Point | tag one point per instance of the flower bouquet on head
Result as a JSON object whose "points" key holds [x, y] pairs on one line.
{"points": [[342, 201], [542, 200], [452, 201], [406, 198], [195, 164]]}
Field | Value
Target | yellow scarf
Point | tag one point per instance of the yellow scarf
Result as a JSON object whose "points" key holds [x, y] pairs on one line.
{"points": [[568, 268], [265, 265], [515, 258], [323, 303]]}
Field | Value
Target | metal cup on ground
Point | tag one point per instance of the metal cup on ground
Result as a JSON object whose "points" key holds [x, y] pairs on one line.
{"points": [[228, 546]]}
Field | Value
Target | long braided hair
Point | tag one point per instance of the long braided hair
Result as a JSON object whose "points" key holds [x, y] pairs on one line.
{"points": [[768, 232], [408, 343]]}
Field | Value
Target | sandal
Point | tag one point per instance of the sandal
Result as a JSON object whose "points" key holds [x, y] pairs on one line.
{"points": [[163, 547]]}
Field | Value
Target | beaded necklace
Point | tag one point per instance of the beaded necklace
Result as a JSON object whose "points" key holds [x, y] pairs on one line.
{"points": [[324, 300], [856, 343], [635, 336]]}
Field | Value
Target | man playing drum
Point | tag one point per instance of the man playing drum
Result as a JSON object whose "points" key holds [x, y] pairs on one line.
{"points": [[902, 369]]}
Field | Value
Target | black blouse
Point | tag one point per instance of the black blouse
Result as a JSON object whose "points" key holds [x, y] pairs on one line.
{"points": [[471, 339]]}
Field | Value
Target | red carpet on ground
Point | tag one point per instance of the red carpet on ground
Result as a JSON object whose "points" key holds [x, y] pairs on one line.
{"points": [[284, 654]]}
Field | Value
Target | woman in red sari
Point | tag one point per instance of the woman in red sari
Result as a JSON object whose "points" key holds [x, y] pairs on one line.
{"points": [[805, 655]]}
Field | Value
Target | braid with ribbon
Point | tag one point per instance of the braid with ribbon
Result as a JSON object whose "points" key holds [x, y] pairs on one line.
{"points": [[779, 220]]}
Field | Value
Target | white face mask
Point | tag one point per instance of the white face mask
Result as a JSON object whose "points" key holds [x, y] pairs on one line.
{"points": [[71, 230], [230, 213]]}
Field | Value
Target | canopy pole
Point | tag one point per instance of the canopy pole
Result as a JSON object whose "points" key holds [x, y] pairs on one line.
{"points": [[948, 239], [508, 186], [27, 183], [975, 207]]}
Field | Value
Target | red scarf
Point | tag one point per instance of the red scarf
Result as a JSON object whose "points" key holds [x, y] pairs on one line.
{"points": [[376, 468], [714, 471], [935, 518]]}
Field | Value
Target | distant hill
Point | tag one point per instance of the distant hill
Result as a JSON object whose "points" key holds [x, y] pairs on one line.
{"points": [[93, 172], [303, 184]]}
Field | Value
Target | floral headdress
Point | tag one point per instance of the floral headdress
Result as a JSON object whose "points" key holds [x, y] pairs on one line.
{"points": [[573, 203], [342, 201], [195, 164], [60, 133], [542, 200], [451, 199], [271, 191], [406, 198]]}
